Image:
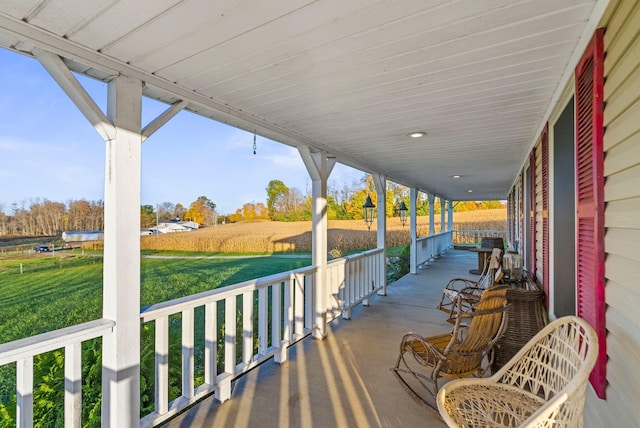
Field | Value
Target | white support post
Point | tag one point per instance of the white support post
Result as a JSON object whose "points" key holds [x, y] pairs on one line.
{"points": [[431, 198], [413, 231], [450, 212], [73, 385], [319, 168], [121, 295], [380, 182], [442, 213]]}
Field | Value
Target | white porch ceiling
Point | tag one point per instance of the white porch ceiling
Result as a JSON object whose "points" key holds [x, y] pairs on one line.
{"points": [[349, 77]]}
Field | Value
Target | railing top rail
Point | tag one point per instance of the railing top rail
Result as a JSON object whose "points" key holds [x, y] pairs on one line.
{"points": [[149, 313], [435, 235], [45, 342], [481, 230]]}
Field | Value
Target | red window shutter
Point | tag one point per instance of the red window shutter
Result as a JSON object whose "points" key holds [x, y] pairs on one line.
{"points": [[590, 200], [521, 226], [532, 213], [513, 216], [545, 210]]}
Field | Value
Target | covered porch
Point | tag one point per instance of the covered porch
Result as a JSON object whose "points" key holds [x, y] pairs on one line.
{"points": [[345, 379], [517, 101]]}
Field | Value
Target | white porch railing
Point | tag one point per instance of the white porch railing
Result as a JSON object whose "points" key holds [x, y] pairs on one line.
{"points": [[473, 237], [22, 352], [430, 247], [353, 279], [275, 312]]}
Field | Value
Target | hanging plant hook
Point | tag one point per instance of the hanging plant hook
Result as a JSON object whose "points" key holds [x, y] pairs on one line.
{"points": [[254, 142]]}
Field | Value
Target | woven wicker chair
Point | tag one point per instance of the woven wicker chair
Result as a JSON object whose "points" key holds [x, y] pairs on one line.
{"points": [[543, 385], [468, 292], [424, 360]]}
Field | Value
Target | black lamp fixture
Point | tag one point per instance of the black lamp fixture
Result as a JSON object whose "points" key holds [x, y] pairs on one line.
{"points": [[403, 213], [368, 211]]}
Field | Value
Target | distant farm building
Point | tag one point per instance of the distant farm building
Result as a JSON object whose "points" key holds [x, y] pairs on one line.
{"points": [[82, 236], [172, 227]]}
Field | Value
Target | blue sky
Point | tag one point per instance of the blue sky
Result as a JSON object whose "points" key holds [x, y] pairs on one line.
{"points": [[48, 150]]}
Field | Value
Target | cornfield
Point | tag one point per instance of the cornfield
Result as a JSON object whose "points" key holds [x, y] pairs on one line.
{"points": [[343, 235]]}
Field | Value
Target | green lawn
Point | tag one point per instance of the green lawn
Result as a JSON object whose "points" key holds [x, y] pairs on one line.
{"points": [[45, 293], [55, 292]]}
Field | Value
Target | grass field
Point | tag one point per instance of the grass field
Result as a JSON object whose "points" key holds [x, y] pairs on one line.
{"points": [[55, 292]]}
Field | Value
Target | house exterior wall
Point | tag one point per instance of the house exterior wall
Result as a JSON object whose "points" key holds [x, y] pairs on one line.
{"points": [[622, 215], [622, 218]]}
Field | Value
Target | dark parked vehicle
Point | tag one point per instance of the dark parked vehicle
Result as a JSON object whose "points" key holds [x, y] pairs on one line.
{"points": [[42, 249]]}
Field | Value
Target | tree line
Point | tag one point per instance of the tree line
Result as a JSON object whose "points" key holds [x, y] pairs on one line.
{"points": [[50, 218], [343, 203]]}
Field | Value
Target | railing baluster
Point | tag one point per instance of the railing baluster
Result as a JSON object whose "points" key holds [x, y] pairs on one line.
{"points": [[276, 323], [263, 320], [223, 391], [230, 343], [298, 303], [309, 284], [247, 327], [187, 353], [288, 309], [210, 342], [24, 392], [346, 295], [73, 385], [162, 365]]}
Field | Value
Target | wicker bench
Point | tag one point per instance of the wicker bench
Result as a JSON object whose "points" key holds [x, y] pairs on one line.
{"points": [[543, 385]]}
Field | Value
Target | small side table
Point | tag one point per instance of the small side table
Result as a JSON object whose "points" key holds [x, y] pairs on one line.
{"points": [[483, 255]]}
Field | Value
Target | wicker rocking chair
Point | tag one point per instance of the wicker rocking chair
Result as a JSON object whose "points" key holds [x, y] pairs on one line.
{"points": [[542, 386], [424, 360], [468, 292]]}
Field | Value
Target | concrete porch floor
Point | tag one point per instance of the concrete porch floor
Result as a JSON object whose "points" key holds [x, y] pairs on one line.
{"points": [[344, 380]]}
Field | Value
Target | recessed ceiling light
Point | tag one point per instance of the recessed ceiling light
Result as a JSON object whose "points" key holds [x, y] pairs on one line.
{"points": [[455, 176], [470, 191], [417, 134]]}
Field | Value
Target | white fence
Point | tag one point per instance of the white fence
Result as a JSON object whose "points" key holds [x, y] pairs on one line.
{"points": [[473, 237], [22, 352], [430, 247], [242, 325], [274, 312]]}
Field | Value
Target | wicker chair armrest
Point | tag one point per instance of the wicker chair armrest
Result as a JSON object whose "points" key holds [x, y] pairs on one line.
{"points": [[471, 293], [429, 347], [458, 284]]}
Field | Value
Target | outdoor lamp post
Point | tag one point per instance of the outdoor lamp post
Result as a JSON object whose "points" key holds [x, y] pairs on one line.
{"points": [[403, 213], [368, 211]]}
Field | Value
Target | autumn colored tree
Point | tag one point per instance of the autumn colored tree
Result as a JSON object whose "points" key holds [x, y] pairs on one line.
{"points": [[179, 211], [277, 193], [147, 216], [202, 211]]}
